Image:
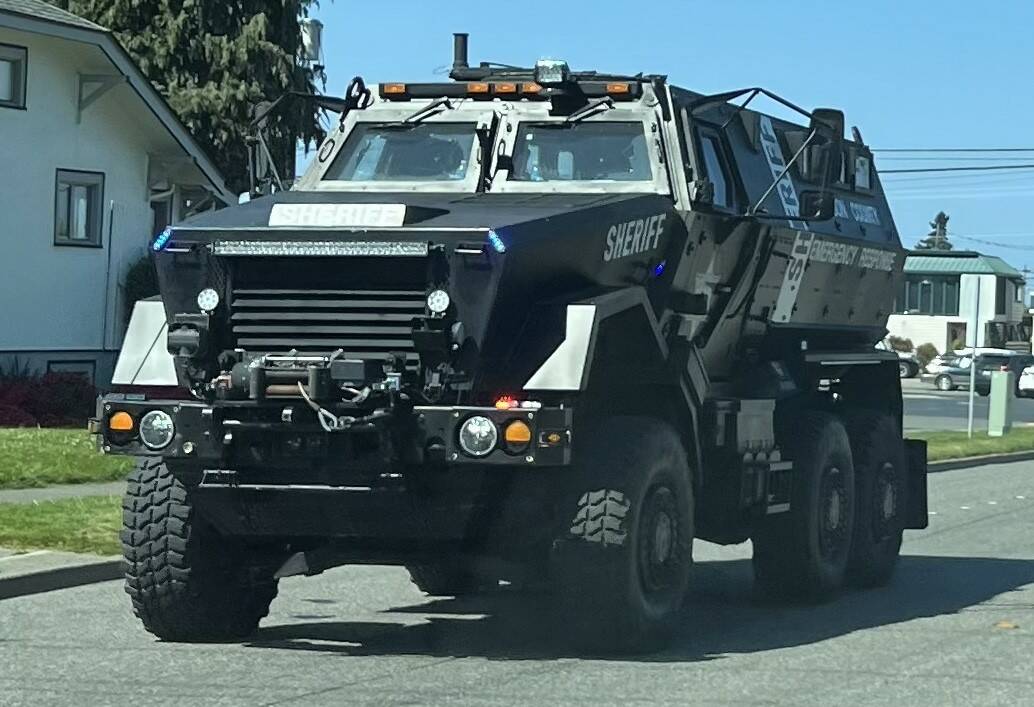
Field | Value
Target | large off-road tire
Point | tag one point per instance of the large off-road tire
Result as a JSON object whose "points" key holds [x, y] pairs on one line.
{"points": [[449, 578], [803, 553], [622, 563], [881, 485], [187, 582]]}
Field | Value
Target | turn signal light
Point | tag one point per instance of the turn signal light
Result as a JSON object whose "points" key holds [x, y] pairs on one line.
{"points": [[530, 88], [477, 88], [393, 89], [505, 88], [517, 436], [618, 88], [121, 422]]}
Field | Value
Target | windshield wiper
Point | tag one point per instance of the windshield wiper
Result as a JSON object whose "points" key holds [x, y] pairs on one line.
{"points": [[435, 106], [591, 108]]}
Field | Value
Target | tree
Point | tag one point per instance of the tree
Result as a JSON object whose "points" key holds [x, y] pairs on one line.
{"points": [[937, 238], [213, 61]]}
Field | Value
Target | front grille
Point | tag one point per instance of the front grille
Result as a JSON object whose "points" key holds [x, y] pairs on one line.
{"points": [[366, 323]]}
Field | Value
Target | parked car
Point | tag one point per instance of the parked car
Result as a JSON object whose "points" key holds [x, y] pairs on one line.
{"points": [[908, 361], [950, 373], [1025, 383], [989, 363]]}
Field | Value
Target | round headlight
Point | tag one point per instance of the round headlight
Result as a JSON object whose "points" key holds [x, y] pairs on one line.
{"points": [[208, 299], [478, 436], [157, 429], [438, 301]]}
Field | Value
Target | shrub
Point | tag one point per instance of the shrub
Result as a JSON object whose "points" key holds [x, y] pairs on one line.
{"points": [[141, 283], [51, 400], [899, 343], [957, 344], [926, 353], [11, 416]]}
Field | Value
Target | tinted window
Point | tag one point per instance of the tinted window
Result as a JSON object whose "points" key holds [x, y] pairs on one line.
{"points": [[426, 152], [716, 172], [605, 151]]}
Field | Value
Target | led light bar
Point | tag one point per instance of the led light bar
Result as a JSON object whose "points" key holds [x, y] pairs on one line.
{"points": [[320, 248]]}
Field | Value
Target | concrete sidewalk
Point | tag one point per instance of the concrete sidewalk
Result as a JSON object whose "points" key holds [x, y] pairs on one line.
{"points": [[38, 571], [53, 493]]}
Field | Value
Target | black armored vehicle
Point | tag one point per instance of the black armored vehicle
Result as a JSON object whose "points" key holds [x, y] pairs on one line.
{"points": [[532, 326]]}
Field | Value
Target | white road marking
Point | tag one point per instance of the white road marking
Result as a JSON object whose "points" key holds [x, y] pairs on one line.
{"points": [[964, 508], [931, 513], [992, 503], [1020, 498]]}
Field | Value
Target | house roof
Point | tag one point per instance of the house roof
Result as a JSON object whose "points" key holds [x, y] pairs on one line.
{"points": [[958, 262], [43, 18], [46, 11]]}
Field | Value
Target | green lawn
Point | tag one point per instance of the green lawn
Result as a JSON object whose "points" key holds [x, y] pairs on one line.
{"points": [[89, 524], [955, 445], [32, 457]]}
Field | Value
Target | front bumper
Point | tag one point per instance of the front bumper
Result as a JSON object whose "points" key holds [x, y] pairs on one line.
{"points": [[286, 433]]}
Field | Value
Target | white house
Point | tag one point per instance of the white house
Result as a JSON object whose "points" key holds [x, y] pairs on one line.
{"points": [[939, 298], [94, 164]]}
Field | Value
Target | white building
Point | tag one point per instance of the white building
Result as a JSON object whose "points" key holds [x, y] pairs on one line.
{"points": [[95, 163], [939, 299]]}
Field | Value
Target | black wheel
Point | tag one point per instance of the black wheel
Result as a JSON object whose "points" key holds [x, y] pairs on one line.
{"points": [[803, 553], [622, 565], [881, 485], [449, 578], [187, 582], [944, 382]]}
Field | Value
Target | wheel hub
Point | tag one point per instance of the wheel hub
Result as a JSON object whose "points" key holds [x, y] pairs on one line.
{"points": [[658, 549], [833, 500]]}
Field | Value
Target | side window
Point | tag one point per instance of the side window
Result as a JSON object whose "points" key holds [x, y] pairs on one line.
{"points": [[78, 207], [717, 171], [13, 72]]}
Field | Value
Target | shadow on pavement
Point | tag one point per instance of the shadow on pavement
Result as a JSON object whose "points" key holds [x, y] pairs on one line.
{"points": [[723, 615]]}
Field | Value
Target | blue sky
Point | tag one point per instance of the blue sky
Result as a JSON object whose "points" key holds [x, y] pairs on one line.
{"points": [[931, 74]]}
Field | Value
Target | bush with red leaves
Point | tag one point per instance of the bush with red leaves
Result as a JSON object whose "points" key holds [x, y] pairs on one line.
{"points": [[11, 416], [51, 400]]}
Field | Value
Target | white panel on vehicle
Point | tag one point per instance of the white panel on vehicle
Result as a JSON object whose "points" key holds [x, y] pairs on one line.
{"points": [[144, 358], [338, 215], [564, 368]]}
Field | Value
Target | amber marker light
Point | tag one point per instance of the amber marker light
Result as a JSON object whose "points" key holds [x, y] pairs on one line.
{"points": [[121, 422]]}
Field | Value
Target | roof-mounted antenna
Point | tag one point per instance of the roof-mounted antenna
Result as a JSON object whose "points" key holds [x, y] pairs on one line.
{"points": [[459, 55]]}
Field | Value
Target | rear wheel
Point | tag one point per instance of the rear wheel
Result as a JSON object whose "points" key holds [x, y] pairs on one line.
{"points": [[803, 553], [622, 567], [944, 382], [186, 582], [881, 486]]}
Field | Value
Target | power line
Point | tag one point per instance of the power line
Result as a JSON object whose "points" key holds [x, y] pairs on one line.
{"points": [[953, 149], [980, 168]]}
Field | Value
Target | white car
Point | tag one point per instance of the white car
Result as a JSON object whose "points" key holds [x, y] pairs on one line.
{"points": [[1025, 385]]}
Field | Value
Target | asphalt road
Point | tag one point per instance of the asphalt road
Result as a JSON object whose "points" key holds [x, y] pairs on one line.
{"points": [[956, 626], [927, 408]]}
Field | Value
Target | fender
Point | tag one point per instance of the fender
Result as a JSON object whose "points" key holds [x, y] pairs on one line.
{"points": [[144, 359], [569, 366]]}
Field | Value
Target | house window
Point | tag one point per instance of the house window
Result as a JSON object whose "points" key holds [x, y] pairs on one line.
{"points": [[13, 72], [78, 208], [932, 295], [999, 295]]}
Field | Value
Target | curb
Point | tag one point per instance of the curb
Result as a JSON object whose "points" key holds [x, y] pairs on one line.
{"points": [[984, 460], [45, 571]]}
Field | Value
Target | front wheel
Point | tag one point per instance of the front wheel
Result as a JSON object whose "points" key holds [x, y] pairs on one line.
{"points": [[944, 382], [187, 582], [622, 564]]}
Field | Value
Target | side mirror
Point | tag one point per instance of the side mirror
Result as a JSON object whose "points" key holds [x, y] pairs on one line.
{"points": [[817, 205]]}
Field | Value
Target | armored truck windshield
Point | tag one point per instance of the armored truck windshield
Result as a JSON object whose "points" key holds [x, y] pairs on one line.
{"points": [[422, 152], [581, 152]]}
